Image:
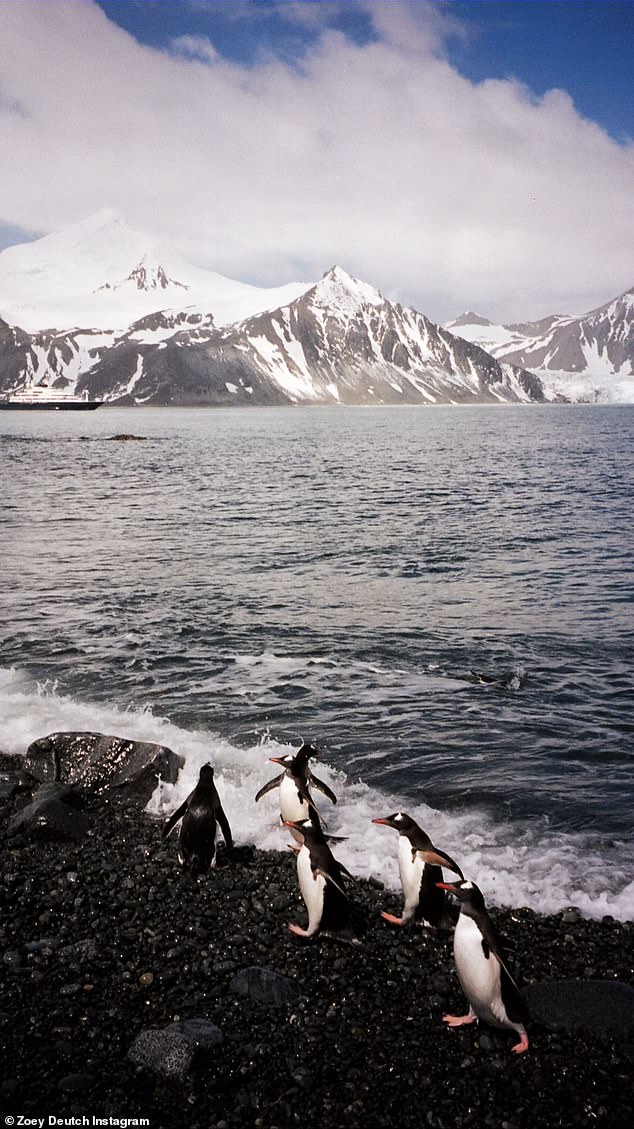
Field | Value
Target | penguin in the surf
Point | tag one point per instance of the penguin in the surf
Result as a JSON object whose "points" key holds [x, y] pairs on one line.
{"points": [[321, 882], [419, 864], [486, 981], [510, 682], [203, 815], [294, 783]]}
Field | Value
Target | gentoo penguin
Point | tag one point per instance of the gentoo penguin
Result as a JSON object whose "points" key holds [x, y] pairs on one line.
{"points": [[419, 865], [295, 799], [321, 883], [487, 983], [201, 813]]}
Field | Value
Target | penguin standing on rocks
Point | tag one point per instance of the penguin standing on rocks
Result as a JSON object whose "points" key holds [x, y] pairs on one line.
{"points": [[296, 802], [202, 813], [419, 864], [321, 883], [487, 983]]}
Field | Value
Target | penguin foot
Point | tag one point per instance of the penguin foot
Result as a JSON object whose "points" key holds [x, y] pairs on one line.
{"points": [[459, 1020], [298, 931], [392, 919], [522, 1046]]}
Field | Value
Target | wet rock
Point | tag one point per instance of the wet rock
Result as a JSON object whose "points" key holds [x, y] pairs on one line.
{"points": [[53, 814], [262, 985], [98, 762]]}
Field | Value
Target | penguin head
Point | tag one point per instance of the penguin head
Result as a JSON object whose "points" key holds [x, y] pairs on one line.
{"points": [[309, 830], [399, 820], [468, 894], [287, 760], [206, 775]]}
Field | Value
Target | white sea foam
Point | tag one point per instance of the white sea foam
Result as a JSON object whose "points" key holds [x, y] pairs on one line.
{"points": [[517, 864]]}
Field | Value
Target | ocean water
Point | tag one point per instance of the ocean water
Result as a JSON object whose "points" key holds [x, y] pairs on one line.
{"points": [[235, 581]]}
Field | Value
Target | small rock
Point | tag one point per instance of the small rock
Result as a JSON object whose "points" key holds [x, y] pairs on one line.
{"points": [[74, 1083], [262, 985], [571, 916]]}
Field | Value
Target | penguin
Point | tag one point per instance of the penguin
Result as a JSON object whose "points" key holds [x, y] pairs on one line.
{"points": [[487, 983], [321, 884], [201, 814], [419, 864], [510, 682], [296, 801]]}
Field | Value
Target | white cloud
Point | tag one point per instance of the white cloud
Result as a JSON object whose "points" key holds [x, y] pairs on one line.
{"points": [[444, 194], [194, 47]]}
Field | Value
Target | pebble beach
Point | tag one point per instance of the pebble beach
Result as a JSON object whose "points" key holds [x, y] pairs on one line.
{"points": [[133, 993]]}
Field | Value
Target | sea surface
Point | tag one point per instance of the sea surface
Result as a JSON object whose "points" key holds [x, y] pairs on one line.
{"points": [[231, 582]]}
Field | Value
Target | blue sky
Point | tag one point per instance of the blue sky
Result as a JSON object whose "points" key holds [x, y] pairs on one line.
{"points": [[459, 154], [585, 47]]}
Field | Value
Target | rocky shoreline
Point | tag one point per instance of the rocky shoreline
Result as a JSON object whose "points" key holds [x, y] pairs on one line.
{"points": [[133, 993]]}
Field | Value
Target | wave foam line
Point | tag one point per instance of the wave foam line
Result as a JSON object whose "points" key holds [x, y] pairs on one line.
{"points": [[515, 864]]}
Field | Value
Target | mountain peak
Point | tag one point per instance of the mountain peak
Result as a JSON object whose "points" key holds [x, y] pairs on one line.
{"points": [[342, 292], [468, 318]]}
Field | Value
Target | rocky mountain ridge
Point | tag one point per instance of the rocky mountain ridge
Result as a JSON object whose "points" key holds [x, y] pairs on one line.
{"points": [[339, 342], [134, 323], [600, 342]]}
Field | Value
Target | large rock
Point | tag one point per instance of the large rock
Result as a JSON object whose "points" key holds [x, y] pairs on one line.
{"points": [[99, 763], [51, 814], [170, 1052]]}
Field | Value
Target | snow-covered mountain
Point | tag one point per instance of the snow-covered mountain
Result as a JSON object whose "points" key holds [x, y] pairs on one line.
{"points": [[104, 308], [339, 342], [101, 274], [590, 357]]}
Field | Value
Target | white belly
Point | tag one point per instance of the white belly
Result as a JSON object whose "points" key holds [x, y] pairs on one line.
{"points": [[312, 889], [479, 976], [291, 807], [411, 872]]}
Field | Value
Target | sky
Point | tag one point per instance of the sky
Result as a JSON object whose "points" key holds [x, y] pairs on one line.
{"points": [[459, 154]]}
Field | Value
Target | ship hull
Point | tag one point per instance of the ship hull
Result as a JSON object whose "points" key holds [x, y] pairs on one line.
{"points": [[83, 406]]}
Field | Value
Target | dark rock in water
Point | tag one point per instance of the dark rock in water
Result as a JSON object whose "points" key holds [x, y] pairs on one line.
{"points": [[99, 762], [263, 986], [52, 814], [603, 1006], [170, 1051], [125, 438]]}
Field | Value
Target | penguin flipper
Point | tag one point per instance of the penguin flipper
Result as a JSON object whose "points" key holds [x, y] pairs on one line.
{"points": [[512, 998], [224, 827], [435, 857], [344, 870], [329, 878], [270, 786], [174, 818], [304, 797], [323, 788]]}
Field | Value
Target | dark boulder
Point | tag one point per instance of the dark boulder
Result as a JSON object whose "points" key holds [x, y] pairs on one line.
{"points": [[99, 763], [263, 986], [52, 813]]}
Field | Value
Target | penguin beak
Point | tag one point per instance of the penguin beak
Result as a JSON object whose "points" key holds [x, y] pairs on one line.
{"points": [[383, 822], [276, 760], [447, 886]]}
